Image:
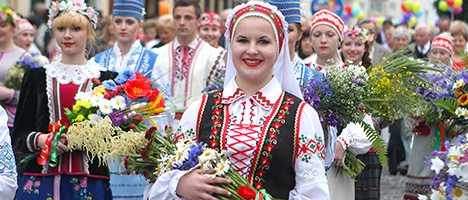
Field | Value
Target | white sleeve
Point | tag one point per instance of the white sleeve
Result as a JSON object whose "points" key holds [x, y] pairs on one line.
{"points": [[160, 80], [166, 185], [8, 173], [354, 138], [311, 182], [330, 146]]}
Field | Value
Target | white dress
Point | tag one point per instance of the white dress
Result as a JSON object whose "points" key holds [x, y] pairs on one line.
{"points": [[8, 174], [252, 111]]}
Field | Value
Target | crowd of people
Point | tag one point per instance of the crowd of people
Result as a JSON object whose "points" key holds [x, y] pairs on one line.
{"points": [[261, 53]]}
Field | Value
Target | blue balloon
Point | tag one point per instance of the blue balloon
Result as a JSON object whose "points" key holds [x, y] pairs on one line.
{"points": [[397, 21], [419, 14], [406, 17], [346, 16], [450, 9], [356, 11]]}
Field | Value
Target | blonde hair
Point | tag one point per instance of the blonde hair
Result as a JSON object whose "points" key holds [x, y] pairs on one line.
{"points": [[165, 22], [78, 20], [459, 28]]}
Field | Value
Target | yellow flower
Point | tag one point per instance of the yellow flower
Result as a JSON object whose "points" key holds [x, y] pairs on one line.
{"points": [[463, 100], [79, 118], [76, 107], [458, 91]]}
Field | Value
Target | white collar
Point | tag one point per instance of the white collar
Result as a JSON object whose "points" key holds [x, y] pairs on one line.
{"points": [[426, 47], [192, 44], [265, 97], [134, 46], [76, 74]]}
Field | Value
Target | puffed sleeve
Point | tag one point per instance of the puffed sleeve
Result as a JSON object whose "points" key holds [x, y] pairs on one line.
{"points": [[311, 182], [166, 185], [354, 138], [8, 173]]}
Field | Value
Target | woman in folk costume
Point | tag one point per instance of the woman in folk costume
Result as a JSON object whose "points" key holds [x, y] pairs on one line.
{"points": [[129, 54], [355, 51], [292, 13], [9, 55], [46, 92], [24, 38], [327, 35], [210, 31], [419, 173], [258, 64], [8, 173]]}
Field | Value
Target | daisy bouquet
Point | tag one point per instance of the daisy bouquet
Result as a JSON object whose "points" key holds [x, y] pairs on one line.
{"points": [[108, 120], [450, 178], [162, 154]]}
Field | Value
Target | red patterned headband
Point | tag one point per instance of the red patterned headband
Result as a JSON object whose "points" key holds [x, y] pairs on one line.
{"points": [[210, 19], [260, 11], [328, 18], [442, 43]]}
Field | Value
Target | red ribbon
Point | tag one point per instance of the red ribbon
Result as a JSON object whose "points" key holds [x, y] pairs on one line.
{"points": [[246, 192], [43, 158]]}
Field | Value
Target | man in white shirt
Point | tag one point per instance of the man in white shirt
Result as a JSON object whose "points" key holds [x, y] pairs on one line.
{"points": [[189, 58], [423, 37]]}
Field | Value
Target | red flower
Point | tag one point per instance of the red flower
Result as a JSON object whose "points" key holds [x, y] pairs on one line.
{"points": [[96, 81], [132, 126], [138, 87], [139, 119], [154, 95]]}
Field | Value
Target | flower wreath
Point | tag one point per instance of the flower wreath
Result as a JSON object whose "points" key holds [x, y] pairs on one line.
{"points": [[362, 33], [7, 14], [72, 7]]}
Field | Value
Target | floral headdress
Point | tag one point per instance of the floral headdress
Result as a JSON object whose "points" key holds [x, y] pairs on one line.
{"points": [[72, 7], [361, 33], [7, 14]]}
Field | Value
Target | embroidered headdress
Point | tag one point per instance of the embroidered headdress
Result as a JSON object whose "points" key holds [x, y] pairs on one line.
{"points": [[210, 19], [129, 8], [9, 15], [291, 9], [22, 25], [444, 43], [361, 33], [328, 18], [72, 7], [282, 69]]}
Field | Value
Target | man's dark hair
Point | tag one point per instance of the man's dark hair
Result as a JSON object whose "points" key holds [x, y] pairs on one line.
{"points": [[368, 21], [187, 3]]}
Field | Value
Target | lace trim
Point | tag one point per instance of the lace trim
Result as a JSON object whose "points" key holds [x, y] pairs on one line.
{"points": [[310, 176], [85, 163], [78, 74]]}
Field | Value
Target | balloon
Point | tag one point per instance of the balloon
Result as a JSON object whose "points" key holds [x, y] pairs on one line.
{"points": [[380, 20], [396, 21], [409, 5], [412, 22], [457, 3], [450, 3], [443, 6], [346, 16], [431, 25], [164, 8], [417, 7], [356, 11], [458, 10], [348, 8], [419, 14], [450, 9], [331, 3], [360, 15], [403, 7], [406, 17]]}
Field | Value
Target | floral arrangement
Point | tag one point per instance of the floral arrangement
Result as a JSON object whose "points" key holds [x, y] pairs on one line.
{"points": [[163, 154], [107, 121], [7, 14], [15, 74], [72, 7], [450, 178], [362, 33]]}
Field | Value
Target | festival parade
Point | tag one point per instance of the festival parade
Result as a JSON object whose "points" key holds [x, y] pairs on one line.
{"points": [[234, 99]]}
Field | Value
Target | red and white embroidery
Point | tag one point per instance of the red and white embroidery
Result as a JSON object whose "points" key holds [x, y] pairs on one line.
{"points": [[329, 18], [242, 140], [210, 19], [309, 147], [442, 43], [262, 100]]}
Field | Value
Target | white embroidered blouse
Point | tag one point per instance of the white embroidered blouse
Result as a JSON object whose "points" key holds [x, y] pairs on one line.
{"points": [[247, 115]]}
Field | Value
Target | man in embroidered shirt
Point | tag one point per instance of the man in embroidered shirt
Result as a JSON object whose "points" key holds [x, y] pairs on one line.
{"points": [[189, 58]]}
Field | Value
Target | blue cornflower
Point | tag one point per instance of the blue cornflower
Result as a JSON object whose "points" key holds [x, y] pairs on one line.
{"points": [[110, 85]]}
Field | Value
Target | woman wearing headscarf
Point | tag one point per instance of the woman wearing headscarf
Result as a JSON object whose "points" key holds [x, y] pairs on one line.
{"points": [[251, 133]]}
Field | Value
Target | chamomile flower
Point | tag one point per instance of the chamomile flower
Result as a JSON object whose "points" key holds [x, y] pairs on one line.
{"points": [[96, 119], [207, 155], [83, 96], [461, 112], [118, 102], [222, 168], [460, 83], [96, 100], [437, 165], [460, 194], [105, 106]]}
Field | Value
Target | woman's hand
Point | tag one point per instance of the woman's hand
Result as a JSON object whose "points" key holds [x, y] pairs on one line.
{"points": [[61, 143], [6, 93], [339, 154], [196, 186]]}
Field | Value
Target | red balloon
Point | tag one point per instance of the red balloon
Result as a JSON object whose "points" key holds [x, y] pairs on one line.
{"points": [[348, 8], [403, 6], [450, 3]]}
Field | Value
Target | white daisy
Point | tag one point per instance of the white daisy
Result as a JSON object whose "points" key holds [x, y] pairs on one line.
{"points": [[437, 165], [118, 102], [222, 168], [438, 194], [422, 197], [105, 106], [463, 172], [458, 84], [84, 96], [459, 194], [207, 155], [96, 100], [461, 112], [96, 119]]}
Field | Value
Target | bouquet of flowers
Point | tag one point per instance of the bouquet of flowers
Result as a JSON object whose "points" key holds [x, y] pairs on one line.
{"points": [[345, 95], [450, 178], [107, 121], [163, 154], [15, 74]]}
